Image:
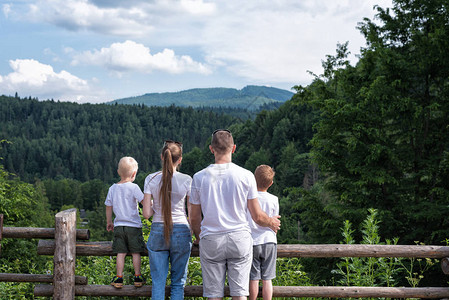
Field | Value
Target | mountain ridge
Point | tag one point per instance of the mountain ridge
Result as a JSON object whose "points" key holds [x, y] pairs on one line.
{"points": [[250, 97]]}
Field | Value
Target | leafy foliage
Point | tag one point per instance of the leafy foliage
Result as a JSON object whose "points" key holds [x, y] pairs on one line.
{"points": [[22, 205], [368, 271], [382, 137]]}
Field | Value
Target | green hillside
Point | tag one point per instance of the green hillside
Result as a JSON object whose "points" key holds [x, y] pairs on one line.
{"points": [[48, 139], [250, 97]]}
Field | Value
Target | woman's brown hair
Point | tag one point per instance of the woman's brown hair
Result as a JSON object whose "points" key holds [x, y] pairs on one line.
{"points": [[171, 153]]}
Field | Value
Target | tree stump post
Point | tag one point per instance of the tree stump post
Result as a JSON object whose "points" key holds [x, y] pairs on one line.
{"points": [[65, 255]]}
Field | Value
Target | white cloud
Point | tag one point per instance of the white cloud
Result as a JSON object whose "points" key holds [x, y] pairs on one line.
{"points": [[30, 77], [198, 7], [118, 18], [79, 15], [274, 42], [131, 56], [6, 9], [263, 42], [53, 55]]}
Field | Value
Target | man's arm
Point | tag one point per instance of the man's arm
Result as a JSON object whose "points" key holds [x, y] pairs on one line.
{"points": [[195, 219], [261, 218]]}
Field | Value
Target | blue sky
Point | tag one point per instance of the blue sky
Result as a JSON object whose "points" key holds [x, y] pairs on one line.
{"points": [[101, 50]]}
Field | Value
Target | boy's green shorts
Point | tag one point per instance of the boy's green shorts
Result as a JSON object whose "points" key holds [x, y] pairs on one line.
{"points": [[128, 240]]}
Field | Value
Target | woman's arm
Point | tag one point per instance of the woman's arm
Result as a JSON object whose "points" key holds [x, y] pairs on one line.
{"points": [[147, 206]]}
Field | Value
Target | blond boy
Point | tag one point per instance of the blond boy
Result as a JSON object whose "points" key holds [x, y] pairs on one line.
{"points": [[123, 199]]}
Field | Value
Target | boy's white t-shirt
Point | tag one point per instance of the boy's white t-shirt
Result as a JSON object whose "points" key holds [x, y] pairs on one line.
{"points": [[181, 184], [223, 191], [124, 199], [270, 205]]}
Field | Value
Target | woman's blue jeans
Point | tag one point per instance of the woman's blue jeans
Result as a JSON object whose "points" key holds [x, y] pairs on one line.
{"points": [[176, 253]]}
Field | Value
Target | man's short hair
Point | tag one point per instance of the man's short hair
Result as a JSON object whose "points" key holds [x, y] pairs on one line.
{"points": [[127, 166], [264, 176], [222, 141]]}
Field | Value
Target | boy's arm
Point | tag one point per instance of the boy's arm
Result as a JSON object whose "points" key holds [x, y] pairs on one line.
{"points": [[109, 224], [147, 206], [195, 220], [261, 218]]}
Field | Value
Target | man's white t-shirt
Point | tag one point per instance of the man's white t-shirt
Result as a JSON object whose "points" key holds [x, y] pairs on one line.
{"points": [[124, 199], [270, 205], [223, 191], [181, 184]]}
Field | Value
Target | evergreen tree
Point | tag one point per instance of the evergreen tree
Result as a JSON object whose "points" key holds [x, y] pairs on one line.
{"points": [[383, 134]]}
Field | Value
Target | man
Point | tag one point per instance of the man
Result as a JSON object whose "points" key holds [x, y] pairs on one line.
{"points": [[223, 192]]}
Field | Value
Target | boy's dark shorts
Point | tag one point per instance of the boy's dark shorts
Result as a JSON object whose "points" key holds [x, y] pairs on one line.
{"points": [[128, 240]]}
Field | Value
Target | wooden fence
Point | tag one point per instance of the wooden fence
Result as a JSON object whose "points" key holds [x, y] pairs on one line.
{"points": [[66, 242]]}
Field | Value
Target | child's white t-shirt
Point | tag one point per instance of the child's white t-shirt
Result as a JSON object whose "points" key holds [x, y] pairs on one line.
{"points": [[223, 191], [270, 205], [124, 199], [181, 184]]}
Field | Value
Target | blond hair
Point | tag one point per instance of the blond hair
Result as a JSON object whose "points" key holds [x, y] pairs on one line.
{"points": [[264, 176], [127, 166]]}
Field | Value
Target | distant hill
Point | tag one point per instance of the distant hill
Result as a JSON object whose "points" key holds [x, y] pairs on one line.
{"points": [[250, 97]]}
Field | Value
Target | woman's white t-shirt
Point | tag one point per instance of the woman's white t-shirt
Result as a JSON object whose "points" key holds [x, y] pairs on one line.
{"points": [[181, 184]]}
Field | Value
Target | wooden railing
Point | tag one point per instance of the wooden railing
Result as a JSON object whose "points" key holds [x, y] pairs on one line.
{"points": [[69, 243]]}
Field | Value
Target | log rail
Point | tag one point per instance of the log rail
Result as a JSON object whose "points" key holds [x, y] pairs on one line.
{"points": [[39, 233], [46, 247], [15, 277], [278, 291], [70, 247]]}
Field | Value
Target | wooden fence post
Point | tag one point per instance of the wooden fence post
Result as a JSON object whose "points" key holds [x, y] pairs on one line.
{"points": [[65, 255]]}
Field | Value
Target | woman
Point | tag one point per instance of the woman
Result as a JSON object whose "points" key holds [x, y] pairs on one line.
{"points": [[170, 237]]}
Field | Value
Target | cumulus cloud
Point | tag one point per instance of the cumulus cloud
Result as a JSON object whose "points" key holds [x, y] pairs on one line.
{"points": [[30, 77], [77, 15], [131, 56], [265, 41], [132, 18], [279, 41]]}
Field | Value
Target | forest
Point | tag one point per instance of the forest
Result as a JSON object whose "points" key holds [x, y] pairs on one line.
{"points": [[363, 148], [65, 140]]}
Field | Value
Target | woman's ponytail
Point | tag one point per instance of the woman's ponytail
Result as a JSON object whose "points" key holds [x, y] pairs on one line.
{"points": [[170, 155]]}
